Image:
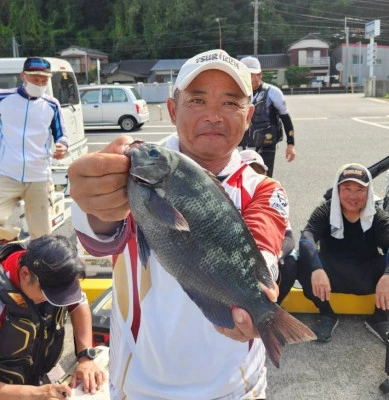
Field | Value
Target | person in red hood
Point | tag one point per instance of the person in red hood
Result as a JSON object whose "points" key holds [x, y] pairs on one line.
{"points": [[39, 285]]}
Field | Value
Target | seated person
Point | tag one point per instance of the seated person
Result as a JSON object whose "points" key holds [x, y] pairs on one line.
{"points": [[287, 263], [353, 237]]}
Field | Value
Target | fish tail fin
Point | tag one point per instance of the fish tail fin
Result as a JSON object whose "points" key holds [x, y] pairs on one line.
{"points": [[281, 329]]}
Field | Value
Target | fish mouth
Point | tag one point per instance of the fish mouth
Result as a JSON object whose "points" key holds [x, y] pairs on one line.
{"points": [[134, 145], [139, 179]]}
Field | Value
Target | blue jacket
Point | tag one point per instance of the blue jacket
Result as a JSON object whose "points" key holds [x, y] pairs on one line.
{"points": [[28, 128]]}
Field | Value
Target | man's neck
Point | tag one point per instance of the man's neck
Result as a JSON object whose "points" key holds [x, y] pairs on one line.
{"points": [[351, 216], [214, 166]]}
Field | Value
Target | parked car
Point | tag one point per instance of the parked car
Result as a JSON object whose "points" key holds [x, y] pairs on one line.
{"points": [[113, 105]]}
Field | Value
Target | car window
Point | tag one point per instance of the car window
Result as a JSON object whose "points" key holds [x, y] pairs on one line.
{"points": [[9, 81], [90, 96], [136, 94], [65, 87], [114, 96]]}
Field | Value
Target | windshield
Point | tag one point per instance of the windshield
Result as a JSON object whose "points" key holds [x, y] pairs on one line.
{"points": [[63, 83], [8, 81]]}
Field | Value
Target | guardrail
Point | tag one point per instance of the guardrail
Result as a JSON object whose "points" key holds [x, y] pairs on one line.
{"points": [[323, 90]]}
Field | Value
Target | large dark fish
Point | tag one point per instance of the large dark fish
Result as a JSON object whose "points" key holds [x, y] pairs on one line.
{"points": [[200, 238]]}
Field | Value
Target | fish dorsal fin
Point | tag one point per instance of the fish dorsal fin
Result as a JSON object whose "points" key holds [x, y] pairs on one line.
{"points": [[166, 213]]}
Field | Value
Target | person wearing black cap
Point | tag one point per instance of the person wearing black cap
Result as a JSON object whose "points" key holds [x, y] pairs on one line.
{"points": [[353, 237], [39, 285], [30, 122]]}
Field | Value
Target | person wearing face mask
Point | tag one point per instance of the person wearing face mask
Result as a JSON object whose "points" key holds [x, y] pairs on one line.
{"points": [[30, 121]]}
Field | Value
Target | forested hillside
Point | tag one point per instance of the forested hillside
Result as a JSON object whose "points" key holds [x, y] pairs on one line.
{"points": [[135, 29]]}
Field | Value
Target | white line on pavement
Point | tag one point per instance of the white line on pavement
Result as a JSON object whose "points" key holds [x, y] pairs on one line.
{"points": [[308, 119], [370, 123]]}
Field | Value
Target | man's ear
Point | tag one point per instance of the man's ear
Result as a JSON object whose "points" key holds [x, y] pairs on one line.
{"points": [[171, 106], [249, 115], [24, 273]]}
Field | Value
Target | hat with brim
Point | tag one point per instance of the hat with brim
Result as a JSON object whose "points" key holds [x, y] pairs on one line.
{"points": [[214, 59], [64, 296], [252, 64], [37, 66], [251, 156], [355, 173]]}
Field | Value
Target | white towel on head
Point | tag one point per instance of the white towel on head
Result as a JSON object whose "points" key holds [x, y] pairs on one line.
{"points": [[336, 217]]}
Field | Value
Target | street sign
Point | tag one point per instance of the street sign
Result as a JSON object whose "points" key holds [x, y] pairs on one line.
{"points": [[373, 28], [371, 53]]}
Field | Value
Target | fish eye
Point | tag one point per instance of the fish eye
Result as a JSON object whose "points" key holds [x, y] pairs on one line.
{"points": [[153, 153]]}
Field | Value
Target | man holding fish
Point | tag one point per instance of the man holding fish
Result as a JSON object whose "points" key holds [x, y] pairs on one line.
{"points": [[189, 276]]}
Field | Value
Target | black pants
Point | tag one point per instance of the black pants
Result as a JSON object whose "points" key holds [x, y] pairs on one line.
{"points": [[345, 277], [287, 276], [268, 154]]}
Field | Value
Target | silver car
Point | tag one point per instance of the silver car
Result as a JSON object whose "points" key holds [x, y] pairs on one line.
{"points": [[113, 105]]}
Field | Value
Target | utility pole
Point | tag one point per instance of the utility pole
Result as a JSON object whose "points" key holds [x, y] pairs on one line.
{"points": [[220, 32], [15, 47], [346, 32], [256, 5]]}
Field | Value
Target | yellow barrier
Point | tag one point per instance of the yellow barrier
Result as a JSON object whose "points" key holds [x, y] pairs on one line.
{"points": [[93, 288], [296, 302]]}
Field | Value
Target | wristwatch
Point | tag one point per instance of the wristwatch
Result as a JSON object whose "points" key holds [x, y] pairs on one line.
{"points": [[89, 352]]}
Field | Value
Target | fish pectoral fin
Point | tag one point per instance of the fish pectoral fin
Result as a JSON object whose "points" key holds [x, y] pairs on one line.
{"points": [[217, 313], [143, 247], [166, 213]]}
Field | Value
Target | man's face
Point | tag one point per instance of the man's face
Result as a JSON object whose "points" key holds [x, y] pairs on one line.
{"points": [[211, 116], [353, 196], [30, 286], [256, 80], [39, 80]]}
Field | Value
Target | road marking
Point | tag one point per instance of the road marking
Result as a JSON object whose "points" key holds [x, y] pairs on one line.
{"points": [[377, 117], [114, 127], [308, 119], [166, 134], [163, 141], [370, 123]]}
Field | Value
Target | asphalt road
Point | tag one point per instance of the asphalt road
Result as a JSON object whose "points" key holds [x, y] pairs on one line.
{"points": [[331, 130]]}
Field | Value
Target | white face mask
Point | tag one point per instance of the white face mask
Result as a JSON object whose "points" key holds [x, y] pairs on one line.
{"points": [[34, 90]]}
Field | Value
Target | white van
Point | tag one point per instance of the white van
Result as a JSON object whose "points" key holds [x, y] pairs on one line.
{"points": [[63, 86]]}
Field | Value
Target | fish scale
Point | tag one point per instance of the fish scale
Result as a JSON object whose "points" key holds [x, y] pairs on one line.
{"points": [[198, 236]]}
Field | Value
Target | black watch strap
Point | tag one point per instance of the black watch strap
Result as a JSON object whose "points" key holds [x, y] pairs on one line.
{"points": [[89, 352]]}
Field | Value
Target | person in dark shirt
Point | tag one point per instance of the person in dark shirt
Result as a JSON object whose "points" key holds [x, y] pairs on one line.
{"points": [[271, 117], [344, 249]]}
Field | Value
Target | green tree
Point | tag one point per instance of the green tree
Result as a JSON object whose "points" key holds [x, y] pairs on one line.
{"points": [[296, 76]]}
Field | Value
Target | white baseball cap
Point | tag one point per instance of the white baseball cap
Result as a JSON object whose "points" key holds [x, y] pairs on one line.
{"points": [[252, 64], [214, 59], [251, 156]]}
